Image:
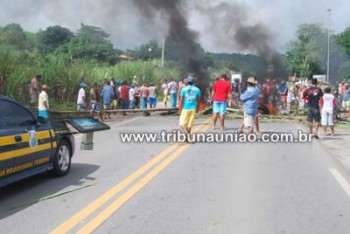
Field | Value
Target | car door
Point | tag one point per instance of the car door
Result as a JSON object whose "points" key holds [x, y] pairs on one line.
{"points": [[7, 152], [34, 143]]}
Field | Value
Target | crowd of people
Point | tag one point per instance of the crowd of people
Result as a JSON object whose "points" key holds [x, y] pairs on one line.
{"points": [[320, 103], [121, 95], [221, 97]]}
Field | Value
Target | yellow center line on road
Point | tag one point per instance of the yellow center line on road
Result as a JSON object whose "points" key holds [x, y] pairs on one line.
{"points": [[96, 204], [119, 202]]}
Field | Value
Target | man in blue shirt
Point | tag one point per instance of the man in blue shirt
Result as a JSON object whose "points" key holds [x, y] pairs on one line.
{"points": [[189, 97], [250, 104], [107, 96]]}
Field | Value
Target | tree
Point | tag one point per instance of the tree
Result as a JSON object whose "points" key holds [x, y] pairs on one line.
{"points": [[90, 43], [53, 37], [343, 39], [13, 35], [307, 54], [150, 50]]}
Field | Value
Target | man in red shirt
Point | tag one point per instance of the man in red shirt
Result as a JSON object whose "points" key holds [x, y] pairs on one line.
{"points": [[222, 91]]}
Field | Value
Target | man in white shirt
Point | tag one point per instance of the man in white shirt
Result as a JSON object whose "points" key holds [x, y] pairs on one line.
{"points": [[165, 92], [132, 97], [43, 104], [81, 102]]}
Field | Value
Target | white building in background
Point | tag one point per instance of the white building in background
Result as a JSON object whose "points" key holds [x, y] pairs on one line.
{"points": [[236, 77]]}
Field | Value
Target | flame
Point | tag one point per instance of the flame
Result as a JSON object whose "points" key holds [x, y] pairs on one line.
{"points": [[201, 106], [273, 110]]}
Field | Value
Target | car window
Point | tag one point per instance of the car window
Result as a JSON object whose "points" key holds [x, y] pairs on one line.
{"points": [[14, 115]]}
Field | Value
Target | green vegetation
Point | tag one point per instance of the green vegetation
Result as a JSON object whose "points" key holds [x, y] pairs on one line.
{"points": [[66, 58], [308, 53]]}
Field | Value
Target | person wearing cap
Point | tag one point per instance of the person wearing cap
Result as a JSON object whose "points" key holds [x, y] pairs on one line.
{"points": [[222, 92], [81, 102], [250, 104], [189, 98], [313, 95], [43, 102]]}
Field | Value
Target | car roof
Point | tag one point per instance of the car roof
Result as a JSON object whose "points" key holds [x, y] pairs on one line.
{"points": [[5, 98], [10, 99]]}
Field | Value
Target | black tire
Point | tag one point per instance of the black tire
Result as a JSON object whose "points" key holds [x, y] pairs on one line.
{"points": [[263, 109], [62, 159]]}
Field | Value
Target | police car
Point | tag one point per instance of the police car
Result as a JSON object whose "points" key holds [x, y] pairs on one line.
{"points": [[30, 145]]}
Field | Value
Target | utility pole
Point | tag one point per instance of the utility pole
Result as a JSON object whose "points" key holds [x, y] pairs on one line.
{"points": [[329, 25], [163, 51]]}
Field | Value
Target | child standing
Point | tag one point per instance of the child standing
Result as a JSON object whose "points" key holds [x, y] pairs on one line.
{"points": [[328, 103]]}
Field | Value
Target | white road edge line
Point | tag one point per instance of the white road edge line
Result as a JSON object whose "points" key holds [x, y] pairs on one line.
{"points": [[341, 180]]}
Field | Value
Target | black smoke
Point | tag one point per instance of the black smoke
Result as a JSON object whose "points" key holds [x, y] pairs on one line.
{"points": [[187, 49], [232, 27]]}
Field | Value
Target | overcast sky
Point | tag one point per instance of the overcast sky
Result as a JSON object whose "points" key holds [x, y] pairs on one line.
{"points": [[128, 29]]}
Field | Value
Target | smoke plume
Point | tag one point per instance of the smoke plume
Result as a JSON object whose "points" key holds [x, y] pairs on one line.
{"points": [[187, 47], [233, 26]]}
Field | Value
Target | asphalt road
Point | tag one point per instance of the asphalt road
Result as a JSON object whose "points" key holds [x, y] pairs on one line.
{"points": [[185, 188]]}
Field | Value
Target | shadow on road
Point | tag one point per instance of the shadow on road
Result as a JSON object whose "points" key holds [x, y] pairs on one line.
{"points": [[20, 195]]}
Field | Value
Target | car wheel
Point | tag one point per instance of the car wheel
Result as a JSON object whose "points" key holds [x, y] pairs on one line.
{"points": [[62, 159]]}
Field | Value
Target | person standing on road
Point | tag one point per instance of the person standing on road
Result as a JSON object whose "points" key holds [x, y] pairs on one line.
{"points": [[144, 96], [95, 101], [43, 102], [313, 95], [132, 97], [152, 96], [172, 86], [124, 95], [346, 98], [189, 98], [222, 93], [34, 89], [114, 103], [165, 92], [107, 98], [81, 102], [250, 100], [137, 95], [328, 103]]}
